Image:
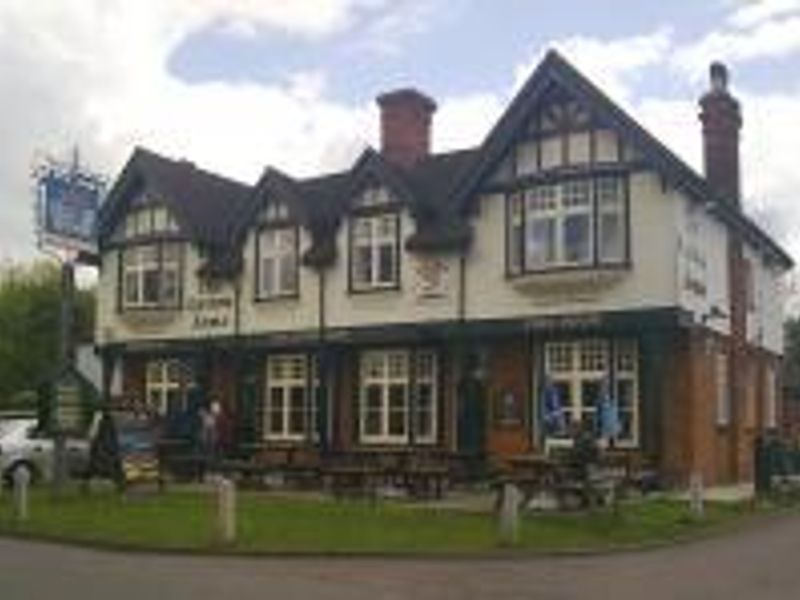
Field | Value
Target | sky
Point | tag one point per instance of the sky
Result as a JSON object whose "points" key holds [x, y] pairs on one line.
{"points": [[236, 85]]}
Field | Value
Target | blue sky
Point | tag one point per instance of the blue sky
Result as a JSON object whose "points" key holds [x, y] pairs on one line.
{"points": [[236, 85], [458, 47]]}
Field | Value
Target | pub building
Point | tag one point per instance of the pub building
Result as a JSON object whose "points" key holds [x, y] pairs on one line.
{"points": [[431, 301]]}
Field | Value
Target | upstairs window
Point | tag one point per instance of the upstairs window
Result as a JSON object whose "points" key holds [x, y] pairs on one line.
{"points": [[575, 223], [374, 251], [277, 266], [151, 276]]}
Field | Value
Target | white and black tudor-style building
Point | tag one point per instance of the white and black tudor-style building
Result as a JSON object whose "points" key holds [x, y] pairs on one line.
{"points": [[425, 300]]}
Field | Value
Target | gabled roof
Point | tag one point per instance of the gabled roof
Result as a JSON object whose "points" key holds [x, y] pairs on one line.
{"points": [[204, 203], [372, 166], [439, 189], [554, 70]]}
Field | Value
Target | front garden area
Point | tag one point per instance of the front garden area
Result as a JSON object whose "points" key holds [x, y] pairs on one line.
{"points": [[183, 519]]}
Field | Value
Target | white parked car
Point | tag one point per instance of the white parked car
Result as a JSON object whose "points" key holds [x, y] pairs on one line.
{"points": [[23, 446]]}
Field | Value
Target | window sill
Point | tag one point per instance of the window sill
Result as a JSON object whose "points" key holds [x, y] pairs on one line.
{"points": [[276, 298], [557, 280], [380, 443], [378, 289], [149, 318]]}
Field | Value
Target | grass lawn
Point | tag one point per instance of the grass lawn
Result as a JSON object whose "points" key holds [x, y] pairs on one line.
{"points": [[182, 520]]}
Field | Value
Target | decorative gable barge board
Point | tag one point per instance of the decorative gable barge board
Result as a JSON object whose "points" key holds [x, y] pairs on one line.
{"points": [[203, 203], [556, 70]]}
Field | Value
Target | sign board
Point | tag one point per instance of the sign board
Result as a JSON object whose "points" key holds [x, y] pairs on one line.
{"points": [[69, 399], [137, 445], [68, 201], [212, 312], [68, 408]]}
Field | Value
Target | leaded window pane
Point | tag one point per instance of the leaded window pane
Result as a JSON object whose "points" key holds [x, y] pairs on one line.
{"points": [[577, 238], [386, 263], [151, 287], [297, 411], [374, 260]]}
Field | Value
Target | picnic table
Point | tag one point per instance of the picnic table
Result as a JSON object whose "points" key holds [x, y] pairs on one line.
{"points": [[589, 485], [422, 473]]}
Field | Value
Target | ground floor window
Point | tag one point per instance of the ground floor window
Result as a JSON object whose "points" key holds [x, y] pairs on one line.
{"points": [[398, 393], [167, 383], [770, 399], [582, 374], [290, 398]]}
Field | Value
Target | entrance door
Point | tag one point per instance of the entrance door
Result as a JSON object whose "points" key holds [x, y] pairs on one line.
{"points": [[472, 418]]}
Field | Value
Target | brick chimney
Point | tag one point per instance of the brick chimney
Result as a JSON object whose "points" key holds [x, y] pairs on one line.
{"points": [[722, 120], [406, 116]]}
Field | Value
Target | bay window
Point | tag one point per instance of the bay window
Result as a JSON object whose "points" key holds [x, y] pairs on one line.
{"points": [[277, 264], [374, 256], [584, 372], [151, 275], [579, 222], [290, 400], [398, 392]]}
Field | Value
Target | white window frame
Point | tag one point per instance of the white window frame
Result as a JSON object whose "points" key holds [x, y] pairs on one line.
{"points": [[287, 373], [277, 247], [542, 213], [572, 363], [393, 370], [164, 377], [723, 387], [374, 233], [160, 260]]}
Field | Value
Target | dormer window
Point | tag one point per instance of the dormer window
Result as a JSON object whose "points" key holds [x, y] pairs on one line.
{"points": [[277, 273], [375, 242], [277, 250], [575, 223], [374, 251]]}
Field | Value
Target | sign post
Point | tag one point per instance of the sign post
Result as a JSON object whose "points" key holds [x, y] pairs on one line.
{"points": [[67, 204]]}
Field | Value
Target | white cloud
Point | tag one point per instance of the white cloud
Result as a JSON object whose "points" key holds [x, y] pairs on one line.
{"points": [[94, 72], [613, 64], [771, 38], [753, 12]]}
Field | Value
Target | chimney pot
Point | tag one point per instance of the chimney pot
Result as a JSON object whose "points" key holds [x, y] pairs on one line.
{"points": [[719, 77], [406, 116]]}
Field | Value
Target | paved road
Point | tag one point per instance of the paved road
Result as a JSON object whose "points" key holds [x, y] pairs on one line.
{"points": [[759, 564]]}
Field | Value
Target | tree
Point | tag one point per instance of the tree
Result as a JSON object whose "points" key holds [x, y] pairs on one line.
{"points": [[30, 296]]}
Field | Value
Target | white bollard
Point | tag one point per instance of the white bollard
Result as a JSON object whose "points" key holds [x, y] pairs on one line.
{"points": [[696, 495], [509, 514], [226, 510], [22, 480]]}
